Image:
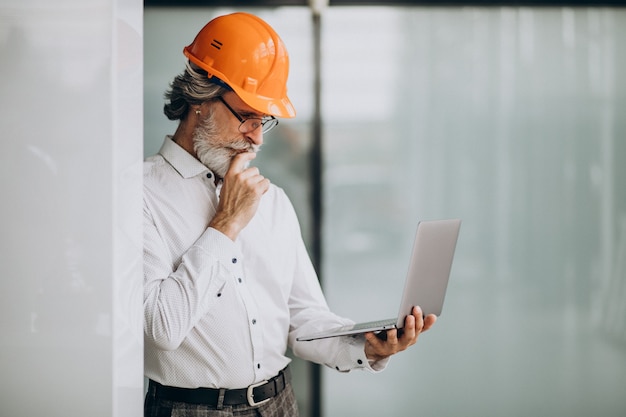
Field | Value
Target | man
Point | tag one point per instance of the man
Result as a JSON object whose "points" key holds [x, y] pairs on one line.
{"points": [[228, 282]]}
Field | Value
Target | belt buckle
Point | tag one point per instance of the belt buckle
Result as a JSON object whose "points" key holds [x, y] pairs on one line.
{"points": [[250, 394]]}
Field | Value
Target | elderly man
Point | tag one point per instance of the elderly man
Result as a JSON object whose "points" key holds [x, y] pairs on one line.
{"points": [[228, 282]]}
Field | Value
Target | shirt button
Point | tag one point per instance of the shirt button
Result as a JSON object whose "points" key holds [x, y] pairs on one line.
{"points": [[253, 321], [209, 175], [258, 366], [240, 280], [360, 362], [234, 260]]}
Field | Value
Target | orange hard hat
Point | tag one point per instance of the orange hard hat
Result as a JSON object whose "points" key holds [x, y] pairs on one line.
{"points": [[243, 52]]}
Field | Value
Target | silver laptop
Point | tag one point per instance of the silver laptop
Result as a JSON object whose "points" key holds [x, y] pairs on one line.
{"points": [[426, 281]]}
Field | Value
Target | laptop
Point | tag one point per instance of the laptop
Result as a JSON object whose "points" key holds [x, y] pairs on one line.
{"points": [[426, 281]]}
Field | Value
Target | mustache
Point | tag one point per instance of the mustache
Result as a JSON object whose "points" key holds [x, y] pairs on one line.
{"points": [[242, 145]]}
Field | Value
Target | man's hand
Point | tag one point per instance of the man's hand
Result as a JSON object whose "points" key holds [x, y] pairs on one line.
{"points": [[414, 324], [240, 196]]}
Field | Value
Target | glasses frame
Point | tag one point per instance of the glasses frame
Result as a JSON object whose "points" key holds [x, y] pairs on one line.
{"points": [[265, 123]]}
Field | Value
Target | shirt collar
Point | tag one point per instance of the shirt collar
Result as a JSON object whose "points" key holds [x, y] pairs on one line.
{"points": [[181, 160]]}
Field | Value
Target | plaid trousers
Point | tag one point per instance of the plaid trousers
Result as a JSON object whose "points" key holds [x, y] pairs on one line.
{"points": [[283, 405]]}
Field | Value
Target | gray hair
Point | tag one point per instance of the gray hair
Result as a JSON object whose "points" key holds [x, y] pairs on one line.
{"points": [[192, 87]]}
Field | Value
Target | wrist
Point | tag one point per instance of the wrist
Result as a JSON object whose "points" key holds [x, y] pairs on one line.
{"points": [[227, 228]]}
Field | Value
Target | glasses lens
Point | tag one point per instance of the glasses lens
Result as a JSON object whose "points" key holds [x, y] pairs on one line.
{"points": [[249, 125], [269, 124]]}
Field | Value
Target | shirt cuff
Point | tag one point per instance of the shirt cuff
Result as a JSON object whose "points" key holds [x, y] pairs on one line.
{"points": [[357, 358]]}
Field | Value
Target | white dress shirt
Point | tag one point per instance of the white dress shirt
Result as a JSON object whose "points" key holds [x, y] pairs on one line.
{"points": [[219, 313]]}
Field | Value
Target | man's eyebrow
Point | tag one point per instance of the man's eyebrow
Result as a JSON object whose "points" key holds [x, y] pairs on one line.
{"points": [[245, 113], [251, 115]]}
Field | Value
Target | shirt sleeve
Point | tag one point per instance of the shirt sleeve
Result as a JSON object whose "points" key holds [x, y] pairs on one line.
{"points": [[175, 300], [310, 313]]}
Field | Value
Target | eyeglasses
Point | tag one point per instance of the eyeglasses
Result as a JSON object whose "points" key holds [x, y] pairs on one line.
{"points": [[253, 123]]}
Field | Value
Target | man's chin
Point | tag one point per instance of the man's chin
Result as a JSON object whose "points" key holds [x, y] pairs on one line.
{"points": [[218, 160]]}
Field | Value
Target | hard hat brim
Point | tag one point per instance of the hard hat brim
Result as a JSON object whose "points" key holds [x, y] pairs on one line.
{"points": [[267, 105]]}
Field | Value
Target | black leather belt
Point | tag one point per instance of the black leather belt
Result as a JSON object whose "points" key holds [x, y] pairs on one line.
{"points": [[255, 394]]}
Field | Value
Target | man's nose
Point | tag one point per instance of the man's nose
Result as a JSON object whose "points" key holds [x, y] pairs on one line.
{"points": [[256, 136]]}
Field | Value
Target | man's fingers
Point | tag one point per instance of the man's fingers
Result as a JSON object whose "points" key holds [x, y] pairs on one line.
{"points": [[410, 327], [392, 338], [240, 161], [249, 174], [429, 321], [254, 179]]}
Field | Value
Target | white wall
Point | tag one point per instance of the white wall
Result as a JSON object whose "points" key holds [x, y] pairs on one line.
{"points": [[70, 297]]}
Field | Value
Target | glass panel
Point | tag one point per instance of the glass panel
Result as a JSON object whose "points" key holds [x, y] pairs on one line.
{"points": [[511, 119]]}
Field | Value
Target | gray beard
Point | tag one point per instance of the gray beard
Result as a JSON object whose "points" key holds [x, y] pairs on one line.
{"points": [[214, 155]]}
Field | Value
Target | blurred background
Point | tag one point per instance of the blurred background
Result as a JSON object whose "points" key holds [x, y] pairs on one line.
{"points": [[508, 115], [511, 118]]}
